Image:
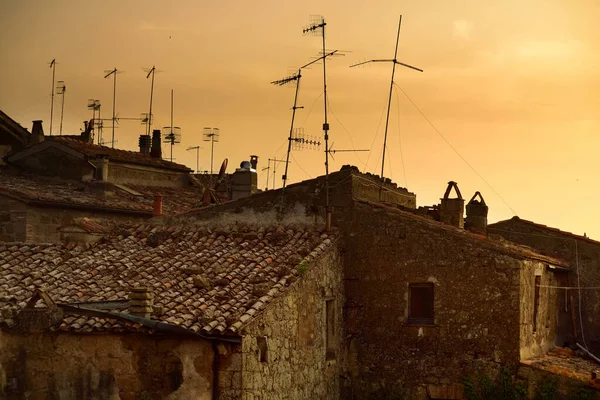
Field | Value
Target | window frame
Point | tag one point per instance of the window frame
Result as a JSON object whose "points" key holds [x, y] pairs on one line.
{"points": [[421, 320]]}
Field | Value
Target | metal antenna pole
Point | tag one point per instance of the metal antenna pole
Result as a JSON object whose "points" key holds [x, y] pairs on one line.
{"points": [[114, 103], [394, 61], [387, 118], [290, 138], [53, 66], [172, 138], [151, 93], [198, 160], [62, 109], [212, 151], [325, 125], [101, 125]]}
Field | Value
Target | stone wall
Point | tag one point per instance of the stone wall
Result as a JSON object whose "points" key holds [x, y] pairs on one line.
{"points": [[286, 352], [22, 222], [566, 246], [131, 174], [476, 305], [13, 218], [539, 327], [102, 366]]}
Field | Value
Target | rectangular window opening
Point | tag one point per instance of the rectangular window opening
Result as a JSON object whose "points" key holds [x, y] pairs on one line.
{"points": [[536, 301], [420, 303], [330, 329], [261, 342]]}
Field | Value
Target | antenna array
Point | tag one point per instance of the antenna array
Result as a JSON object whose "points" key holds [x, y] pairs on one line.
{"points": [[211, 135]]}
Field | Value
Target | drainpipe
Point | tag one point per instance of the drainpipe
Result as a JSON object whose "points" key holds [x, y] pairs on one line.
{"points": [[158, 205], [215, 388]]}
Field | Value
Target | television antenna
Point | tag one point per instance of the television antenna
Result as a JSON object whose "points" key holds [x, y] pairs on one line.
{"points": [[332, 151], [394, 61], [275, 161], [172, 133], [53, 66], [316, 27], [61, 89], [211, 135], [197, 148], [296, 137], [151, 71], [95, 105], [114, 73], [210, 193]]}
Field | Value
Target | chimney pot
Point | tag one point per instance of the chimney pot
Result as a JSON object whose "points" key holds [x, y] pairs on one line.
{"points": [[156, 150], [477, 212], [141, 302], [452, 210], [102, 168], [254, 161], [158, 205], [144, 143], [37, 132]]}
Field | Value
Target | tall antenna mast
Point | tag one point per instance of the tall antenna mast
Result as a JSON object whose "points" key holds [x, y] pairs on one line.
{"points": [[61, 88], [292, 137], [151, 71], [316, 28], [211, 135], [197, 148], [173, 133], [275, 161], [394, 61], [53, 66], [114, 73]]}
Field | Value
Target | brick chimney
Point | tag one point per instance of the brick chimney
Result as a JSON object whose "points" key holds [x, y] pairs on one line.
{"points": [[254, 162], [156, 150], [477, 212], [141, 300], [452, 209], [158, 205], [102, 168], [145, 143], [37, 132]]}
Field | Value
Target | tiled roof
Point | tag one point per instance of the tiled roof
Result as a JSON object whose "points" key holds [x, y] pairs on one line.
{"points": [[500, 246], [125, 156], [209, 282], [34, 188], [544, 227], [565, 362], [7, 124]]}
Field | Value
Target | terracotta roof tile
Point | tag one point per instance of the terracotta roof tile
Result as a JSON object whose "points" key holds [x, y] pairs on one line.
{"points": [[125, 156], [168, 261]]}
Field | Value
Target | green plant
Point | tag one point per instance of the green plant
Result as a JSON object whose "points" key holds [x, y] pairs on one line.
{"points": [[546, 390], [502, 388], [302, 268]]}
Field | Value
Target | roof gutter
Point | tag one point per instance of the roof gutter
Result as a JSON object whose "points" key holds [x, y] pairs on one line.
{"points": [[157, 326]]}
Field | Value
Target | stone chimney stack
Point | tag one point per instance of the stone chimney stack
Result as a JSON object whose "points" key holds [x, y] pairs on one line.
{"points": [[254, 162], [102, 168], [477, 212], [244, 181], [156, 150], [145, 143], [158, 205], [141, 301], [37, 132], [452, 210]]}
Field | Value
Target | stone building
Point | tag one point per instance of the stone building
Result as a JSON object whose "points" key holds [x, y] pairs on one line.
{"points": [[174, 312], [583, 254]]}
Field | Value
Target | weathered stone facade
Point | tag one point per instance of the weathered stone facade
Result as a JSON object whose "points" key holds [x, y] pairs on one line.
{"points": [[69, 366], [482, 302], [287, 351], [584, 256]]}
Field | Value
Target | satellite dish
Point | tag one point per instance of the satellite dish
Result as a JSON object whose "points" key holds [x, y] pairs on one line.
{"points": [[210, 194]]}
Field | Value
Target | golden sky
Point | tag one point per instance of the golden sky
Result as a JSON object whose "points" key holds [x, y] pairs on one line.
{"points": [[512, 85]]}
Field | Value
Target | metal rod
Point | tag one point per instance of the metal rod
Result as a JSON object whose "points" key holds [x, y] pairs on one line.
{"points": [[100, 125], [198, 160], [62, 109], [113, 110], [53, 66], [290, 138], [387, 119], [212, 151], [171, 137], [151, 93], [325, 124]]}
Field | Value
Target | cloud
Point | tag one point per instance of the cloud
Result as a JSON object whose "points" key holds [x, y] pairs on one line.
{"points": [[462, 28]]}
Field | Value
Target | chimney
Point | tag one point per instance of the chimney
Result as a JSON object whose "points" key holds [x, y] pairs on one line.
{"points": [[254, 162], [141, 300], [244, 180], [37, 132], [477, 212], [452, 210], [144, 143], [158, 209], [102, 168], [156, 150]]}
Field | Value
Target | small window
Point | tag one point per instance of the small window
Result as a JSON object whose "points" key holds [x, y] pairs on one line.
{"points": [[420, 303], [263, 349], [536, 301], [330, 327]]}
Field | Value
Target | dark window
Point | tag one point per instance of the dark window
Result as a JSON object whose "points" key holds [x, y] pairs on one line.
{"points": [[330, 324], [536, 301], [263, 349], [420, 303]]}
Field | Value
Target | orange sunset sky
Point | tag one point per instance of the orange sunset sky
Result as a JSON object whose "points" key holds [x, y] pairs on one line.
{"points": [[512, 85]]}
